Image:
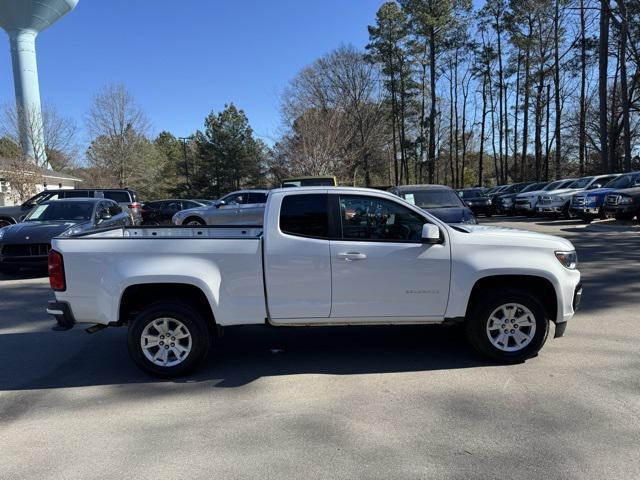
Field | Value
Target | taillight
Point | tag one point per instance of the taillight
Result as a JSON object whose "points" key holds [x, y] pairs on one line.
{"points": [[134, 205], [56, 271]]}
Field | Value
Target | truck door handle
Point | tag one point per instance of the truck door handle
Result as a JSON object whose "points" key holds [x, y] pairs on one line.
{"points": [[351, 256]]}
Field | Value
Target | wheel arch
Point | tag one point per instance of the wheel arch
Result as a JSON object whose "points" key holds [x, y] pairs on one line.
{"points": [[539, 286], [136, 297]]}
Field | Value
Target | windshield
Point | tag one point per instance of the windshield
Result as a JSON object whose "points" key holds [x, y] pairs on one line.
{"points": [[624, 181], [75, 211], [581, 182], [533, 187], [473, 193], [433, 198], [553, 185]]}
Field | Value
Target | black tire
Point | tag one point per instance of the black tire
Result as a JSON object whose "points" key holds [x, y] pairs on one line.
{"points": [[175, 310], [195, 220], [566, 212], [476, 326], [624, 216], [9, 269]]}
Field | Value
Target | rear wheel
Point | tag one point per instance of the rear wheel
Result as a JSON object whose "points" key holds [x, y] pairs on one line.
{"points": [[509, 326], [168, 339], [193, 221]]}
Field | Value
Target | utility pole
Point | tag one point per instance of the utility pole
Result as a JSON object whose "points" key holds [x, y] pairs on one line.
{"points": [[186, 163]]}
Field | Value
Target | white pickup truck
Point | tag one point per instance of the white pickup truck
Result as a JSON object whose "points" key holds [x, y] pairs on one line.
{"points": [[324, 256]]}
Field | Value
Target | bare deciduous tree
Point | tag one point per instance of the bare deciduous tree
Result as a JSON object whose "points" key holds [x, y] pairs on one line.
{"points": [[118, 126]]}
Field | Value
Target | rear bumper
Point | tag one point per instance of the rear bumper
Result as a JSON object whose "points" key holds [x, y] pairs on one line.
{"points": [[62, 313]]}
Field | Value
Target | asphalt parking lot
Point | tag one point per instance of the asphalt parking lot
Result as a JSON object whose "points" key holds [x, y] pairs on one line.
{"points": [[343, 402]]}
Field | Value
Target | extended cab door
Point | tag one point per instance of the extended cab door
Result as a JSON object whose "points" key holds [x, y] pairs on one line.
{"points": [[381, 269], [297, 263]]}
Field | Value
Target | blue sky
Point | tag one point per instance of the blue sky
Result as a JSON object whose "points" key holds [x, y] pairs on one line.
{"points": [[182, 58]]}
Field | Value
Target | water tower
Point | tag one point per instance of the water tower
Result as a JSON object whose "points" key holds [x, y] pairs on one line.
{"points": [[23, 20]]}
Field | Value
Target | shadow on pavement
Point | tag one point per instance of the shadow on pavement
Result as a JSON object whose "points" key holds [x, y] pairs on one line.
{"points": [[243, 355]]}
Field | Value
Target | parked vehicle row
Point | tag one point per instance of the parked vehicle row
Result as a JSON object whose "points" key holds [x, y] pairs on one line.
{"points": [[127, 199], [596, 196], [27, 243]]}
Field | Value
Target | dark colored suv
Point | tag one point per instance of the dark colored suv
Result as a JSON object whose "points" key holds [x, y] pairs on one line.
{"points": [[126, 198]]}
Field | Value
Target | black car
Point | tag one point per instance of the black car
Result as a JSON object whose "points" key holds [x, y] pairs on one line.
{"points": [[505, 202], [439, 200], [125, 197], [623, 204], [160, 212], [477, 200], [27, 244]]}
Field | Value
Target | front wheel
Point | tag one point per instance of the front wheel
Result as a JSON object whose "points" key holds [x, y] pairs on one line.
{"points": [[168, 339], [510, 326]]}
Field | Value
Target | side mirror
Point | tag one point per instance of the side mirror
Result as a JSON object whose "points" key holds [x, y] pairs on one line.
{"points": [[220, 203], [594, 186], [430, 233], [104, 216]]}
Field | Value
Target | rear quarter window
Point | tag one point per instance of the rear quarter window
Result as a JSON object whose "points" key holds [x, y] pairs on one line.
{"points": [[305, 215], [120, 197]]}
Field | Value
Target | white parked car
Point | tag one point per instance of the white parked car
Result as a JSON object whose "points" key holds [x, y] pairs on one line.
{"points": [[244, 207], [559, 202], [526, 203], [326, 256]]}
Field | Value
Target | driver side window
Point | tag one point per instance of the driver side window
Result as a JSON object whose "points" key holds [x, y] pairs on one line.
{"points": [[236, 199], [378, 219]]}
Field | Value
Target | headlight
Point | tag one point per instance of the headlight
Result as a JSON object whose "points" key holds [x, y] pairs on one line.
{"points": [[72, 232], [591, 199], [625, 200], [2, 230], [489, 201], [568, 259]]}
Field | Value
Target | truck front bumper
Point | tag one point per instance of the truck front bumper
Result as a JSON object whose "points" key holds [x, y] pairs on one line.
{"points": [[554, 209], [585, 210], [63, 315], [626, 209], [577, 296]]}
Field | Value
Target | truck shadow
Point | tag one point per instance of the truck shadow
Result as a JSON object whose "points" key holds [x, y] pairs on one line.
{"points": [[41, 360]]}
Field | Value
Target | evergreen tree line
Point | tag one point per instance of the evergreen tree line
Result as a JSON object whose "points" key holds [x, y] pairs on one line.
{"points": [[444, 93]]}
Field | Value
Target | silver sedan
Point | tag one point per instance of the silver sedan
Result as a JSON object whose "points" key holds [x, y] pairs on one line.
{"points": [[244, 207]]}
